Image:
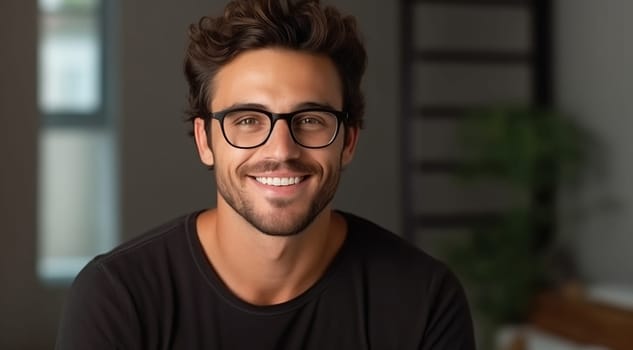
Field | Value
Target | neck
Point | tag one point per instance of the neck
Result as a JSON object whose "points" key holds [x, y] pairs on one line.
{"points": [[262, 269]]}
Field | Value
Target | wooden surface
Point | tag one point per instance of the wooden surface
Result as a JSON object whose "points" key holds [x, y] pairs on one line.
{"points": [[584, 321]]}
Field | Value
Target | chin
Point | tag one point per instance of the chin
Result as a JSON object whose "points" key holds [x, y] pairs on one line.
{"points": [[289, 224], [283, 221]]}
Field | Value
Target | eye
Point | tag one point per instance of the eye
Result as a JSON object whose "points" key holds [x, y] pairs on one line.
{"points": [[248, 121], [309, 120], [315, 121]]}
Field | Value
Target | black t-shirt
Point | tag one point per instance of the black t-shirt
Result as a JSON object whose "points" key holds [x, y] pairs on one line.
{"points": [[159, 291]]}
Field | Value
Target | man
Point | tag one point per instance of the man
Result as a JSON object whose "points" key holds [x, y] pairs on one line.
{"points": [[276, 108]]}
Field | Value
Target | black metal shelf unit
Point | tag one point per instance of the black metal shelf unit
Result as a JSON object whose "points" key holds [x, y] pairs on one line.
{"points": [[533, 57]]}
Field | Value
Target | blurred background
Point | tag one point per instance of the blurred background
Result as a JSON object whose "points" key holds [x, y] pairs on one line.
{"points": [[497, 139]]}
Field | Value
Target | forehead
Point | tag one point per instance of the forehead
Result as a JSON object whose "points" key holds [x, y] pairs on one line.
{"points": [[278, 79]]}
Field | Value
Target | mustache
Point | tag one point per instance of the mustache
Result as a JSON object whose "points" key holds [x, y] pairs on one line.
{"points": [[293, 165]]}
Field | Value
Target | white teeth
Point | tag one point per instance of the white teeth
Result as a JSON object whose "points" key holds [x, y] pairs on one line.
{"points": [[279, 181]]}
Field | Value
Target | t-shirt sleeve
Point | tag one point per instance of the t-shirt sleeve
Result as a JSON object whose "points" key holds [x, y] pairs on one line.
{"points": [[98, 313], [450, 324]]}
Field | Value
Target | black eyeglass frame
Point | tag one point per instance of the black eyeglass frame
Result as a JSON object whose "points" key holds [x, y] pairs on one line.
{"points": [[341, 117]]}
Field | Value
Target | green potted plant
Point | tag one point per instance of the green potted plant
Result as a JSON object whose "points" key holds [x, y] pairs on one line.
{"points": [[530, 151]]}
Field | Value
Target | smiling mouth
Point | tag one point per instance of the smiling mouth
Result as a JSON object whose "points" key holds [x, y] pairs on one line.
{"points": [[279, 181]]}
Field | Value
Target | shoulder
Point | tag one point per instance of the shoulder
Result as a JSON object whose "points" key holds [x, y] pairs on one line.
{"points": [[138, 263], [389, 259], [172, 237], [156, 236], [115, 289], [380, 246], [410, 286]]}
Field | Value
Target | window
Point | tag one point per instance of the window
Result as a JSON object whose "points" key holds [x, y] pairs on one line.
{"points": [[77, 164]]}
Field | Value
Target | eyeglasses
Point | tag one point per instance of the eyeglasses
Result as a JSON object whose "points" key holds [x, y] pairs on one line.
{"points": [[250, 128]]}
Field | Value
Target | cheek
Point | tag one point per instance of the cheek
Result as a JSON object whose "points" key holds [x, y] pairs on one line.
{"points": [[337, 155], [229, 160], [330, 162]]}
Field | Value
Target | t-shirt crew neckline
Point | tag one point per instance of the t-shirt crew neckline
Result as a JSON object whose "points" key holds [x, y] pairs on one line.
{"points": [[218, 286]]}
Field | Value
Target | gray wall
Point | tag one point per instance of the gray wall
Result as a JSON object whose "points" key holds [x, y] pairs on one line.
{"points": [[370, 185], [594, 74], [28, 310], [159, 172]]}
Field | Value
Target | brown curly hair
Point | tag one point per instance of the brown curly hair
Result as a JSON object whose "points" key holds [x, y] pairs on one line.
{"points": [[302, 25]]}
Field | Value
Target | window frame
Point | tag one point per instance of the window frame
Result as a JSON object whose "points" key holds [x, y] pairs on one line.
{"points": [[99, 117]]}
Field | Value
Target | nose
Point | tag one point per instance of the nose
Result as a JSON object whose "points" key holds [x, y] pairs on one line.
{"points": [[280, 144]]}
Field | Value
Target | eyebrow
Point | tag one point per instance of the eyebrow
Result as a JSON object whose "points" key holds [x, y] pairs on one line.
{"points": [[297, 107]]}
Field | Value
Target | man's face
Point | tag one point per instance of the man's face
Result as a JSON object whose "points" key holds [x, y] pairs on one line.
{"points": [[279, 187]]}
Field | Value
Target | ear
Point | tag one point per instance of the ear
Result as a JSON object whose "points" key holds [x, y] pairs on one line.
{"points": [[202, 142], [349, 148]]}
